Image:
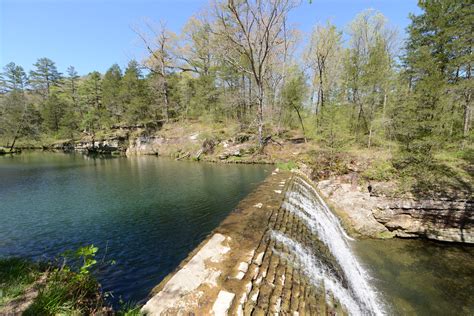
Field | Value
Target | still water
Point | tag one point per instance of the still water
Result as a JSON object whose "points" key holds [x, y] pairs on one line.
{"points": [[420, 277], [146, 213]]}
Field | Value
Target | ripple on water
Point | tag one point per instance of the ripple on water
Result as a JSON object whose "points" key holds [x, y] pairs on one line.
{"points": [[149, 213]]}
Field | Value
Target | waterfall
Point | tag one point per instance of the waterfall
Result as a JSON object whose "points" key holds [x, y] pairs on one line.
{"points": [[359, 298]]}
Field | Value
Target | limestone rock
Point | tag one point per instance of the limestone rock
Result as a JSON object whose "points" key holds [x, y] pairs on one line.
{"points": [[259, 258], [380, 215], [223, 302]]}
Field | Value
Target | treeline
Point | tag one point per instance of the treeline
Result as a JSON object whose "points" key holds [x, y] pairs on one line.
{"points": [[243, 61]]}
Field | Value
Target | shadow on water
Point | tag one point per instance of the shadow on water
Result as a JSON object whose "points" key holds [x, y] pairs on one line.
{"points": [[421, 277]]}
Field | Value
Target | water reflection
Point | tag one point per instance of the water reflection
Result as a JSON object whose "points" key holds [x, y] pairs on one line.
{"points": [[148, 212], [422, 277]]}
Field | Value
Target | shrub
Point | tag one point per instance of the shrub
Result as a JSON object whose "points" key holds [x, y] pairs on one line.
{"points": [[380, 171], [287, 165]]}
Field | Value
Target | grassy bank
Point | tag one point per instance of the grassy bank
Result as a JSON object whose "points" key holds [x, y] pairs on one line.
{"points": [[31, 288]]}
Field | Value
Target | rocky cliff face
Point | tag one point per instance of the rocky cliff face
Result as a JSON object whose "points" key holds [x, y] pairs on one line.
{"points": [[434, 219], [379, 216], [121, 139], [145, 145], [110, 145]]}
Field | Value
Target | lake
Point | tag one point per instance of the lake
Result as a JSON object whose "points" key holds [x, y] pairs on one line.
{"points": [[146, 213]]}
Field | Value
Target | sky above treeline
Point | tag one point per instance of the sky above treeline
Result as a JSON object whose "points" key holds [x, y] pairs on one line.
{"points": [[94, 34]]}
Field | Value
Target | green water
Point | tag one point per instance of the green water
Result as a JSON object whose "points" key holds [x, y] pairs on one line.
{"points": [[421, 277], [146, 213]]}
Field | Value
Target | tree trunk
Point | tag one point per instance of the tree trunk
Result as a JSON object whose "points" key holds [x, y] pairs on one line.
{"points": [[467, 116], [166, 101], [260, 116], [13, 143], [301, 122], [370, 137], [321, 92]]}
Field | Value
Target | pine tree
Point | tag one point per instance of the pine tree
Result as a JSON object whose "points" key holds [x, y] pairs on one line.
{"points": [[13, 78], [437, 68], [44, 76], [134, 94], [53, 113], [111, 85], [17, 117]]}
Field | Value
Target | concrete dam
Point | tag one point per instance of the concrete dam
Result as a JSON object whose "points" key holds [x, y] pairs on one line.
{"points": [[281, 251]]}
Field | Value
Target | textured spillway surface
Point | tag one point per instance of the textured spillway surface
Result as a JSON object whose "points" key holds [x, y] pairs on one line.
{"points": [[287, 255], [351, 284]]}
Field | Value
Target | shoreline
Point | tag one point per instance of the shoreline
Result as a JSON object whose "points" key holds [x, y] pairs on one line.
{"points": [[367, 216]]}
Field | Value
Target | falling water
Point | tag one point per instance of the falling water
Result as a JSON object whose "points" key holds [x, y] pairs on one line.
{"points": [[359, 298]]}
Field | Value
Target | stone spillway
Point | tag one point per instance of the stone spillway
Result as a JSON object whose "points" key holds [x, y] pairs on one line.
{"points": [[267, 257]]}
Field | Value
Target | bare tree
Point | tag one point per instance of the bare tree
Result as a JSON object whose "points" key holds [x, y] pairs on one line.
{"points": [[195, 50], [161, 59], [250, 31]]}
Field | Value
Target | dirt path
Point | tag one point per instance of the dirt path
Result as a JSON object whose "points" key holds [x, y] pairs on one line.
{"points": [[21, 303]]}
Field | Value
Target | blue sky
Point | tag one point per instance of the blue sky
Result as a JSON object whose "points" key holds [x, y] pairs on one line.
{"points": [[94, 34]]}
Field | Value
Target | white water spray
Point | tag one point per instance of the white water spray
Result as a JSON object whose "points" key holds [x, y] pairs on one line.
{"points": [[315, 271], [305, 202]]}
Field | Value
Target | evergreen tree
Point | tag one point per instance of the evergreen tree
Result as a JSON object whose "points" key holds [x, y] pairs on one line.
{"points": [[92, 90], [17, 117], [134, 94], [111, 87], [72, 85], [293, 95], [53, 113], [438, 70], [13, 78], [44, 76]]}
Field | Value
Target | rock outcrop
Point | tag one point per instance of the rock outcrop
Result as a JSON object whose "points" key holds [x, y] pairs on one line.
{"points": [[381, 216], [354, 208], [442, 220], [109, 145], [145, 145]]}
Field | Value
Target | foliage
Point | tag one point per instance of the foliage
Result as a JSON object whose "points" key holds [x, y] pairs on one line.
{"points": [[70, 290], [333, 128], [380, 171], [66, 293], [65, 289], [16, 275], [287, 165], [293, 95], [44, 76]]}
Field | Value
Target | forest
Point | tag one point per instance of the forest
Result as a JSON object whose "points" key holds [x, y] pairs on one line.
{"points": [[242, 61]]}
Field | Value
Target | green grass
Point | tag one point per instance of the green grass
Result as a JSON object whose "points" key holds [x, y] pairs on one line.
{"points": [[287, 165], [16, 275], [69, 293], [64, 291], [129, 309]]}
